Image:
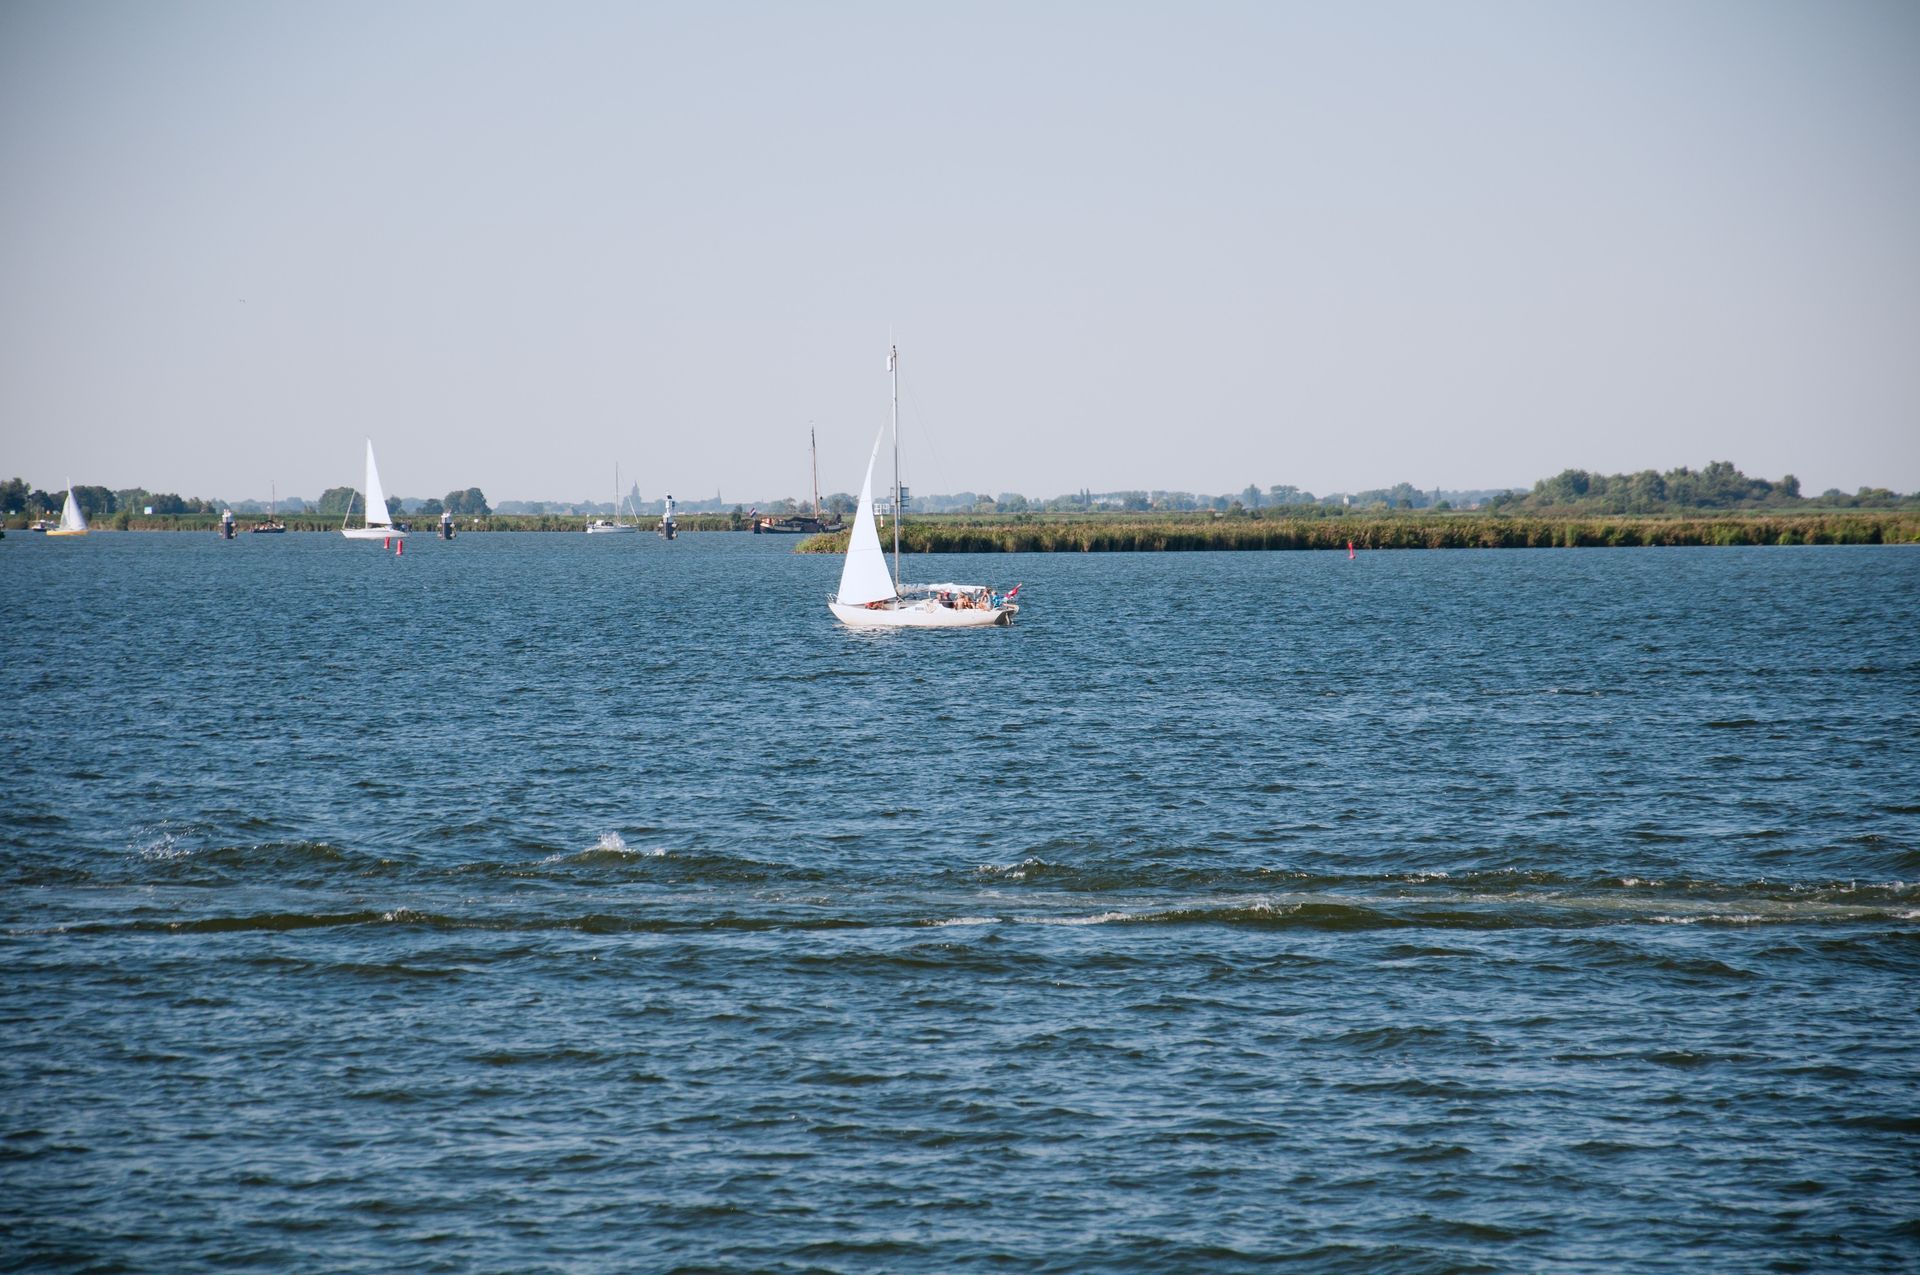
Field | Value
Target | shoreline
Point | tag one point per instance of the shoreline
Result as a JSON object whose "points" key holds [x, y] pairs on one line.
{"points": [[1123, 533]]}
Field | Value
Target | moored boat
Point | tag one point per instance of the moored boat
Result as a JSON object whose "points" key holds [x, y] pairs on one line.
{"points": [[801, 524], [273, 525], [601, 526]]}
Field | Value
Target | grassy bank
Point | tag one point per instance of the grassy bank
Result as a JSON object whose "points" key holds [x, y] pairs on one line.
{"points": [[1121, 533]]}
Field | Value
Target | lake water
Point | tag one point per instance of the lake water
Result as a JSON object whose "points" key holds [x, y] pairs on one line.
{"points": [[547, 902]]}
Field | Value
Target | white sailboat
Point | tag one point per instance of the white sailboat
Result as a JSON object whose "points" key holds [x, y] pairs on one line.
{"points": [[72, 521], [600, 526], [872, 597], [379, 522]]}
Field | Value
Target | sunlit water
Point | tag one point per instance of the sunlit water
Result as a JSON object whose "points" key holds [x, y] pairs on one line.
{"points": [[553, 902]]}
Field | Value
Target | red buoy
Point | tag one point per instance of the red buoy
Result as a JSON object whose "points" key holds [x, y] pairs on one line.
{"points": [[387, 543], [1349, 551], [400, 548]]}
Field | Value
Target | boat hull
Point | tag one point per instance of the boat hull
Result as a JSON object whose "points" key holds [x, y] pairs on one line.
{"points": [[611, 531], [922, 615], [372, 533], [68, 531]]}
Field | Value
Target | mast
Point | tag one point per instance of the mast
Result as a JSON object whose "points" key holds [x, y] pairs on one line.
{"points": [[813, 447], [893, 366]]}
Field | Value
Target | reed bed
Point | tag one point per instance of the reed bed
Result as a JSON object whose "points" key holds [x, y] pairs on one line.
{"points": [[1416, 531]]}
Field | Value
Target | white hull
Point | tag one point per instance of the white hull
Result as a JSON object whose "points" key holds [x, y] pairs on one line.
{"points": [[371, 533], [926, 614], [614, 530]]}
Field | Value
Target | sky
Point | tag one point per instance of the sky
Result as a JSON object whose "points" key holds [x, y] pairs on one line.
{"points": [[1119, 245]]}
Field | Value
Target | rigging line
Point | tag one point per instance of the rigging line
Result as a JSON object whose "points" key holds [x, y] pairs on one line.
{"points": [[927, 433]]}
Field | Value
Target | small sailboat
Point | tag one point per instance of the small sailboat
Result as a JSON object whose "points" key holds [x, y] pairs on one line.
{"points": [[379, 522], [72, 521], [272, 525], [872, 597], [600, 526]]}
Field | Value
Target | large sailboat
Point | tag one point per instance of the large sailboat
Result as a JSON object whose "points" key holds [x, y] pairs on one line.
{"points": [[72, 521], [379, 522], [872, 597], [600, 526]]}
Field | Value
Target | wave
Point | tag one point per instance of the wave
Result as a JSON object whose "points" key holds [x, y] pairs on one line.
{"points": [[681, 912]]}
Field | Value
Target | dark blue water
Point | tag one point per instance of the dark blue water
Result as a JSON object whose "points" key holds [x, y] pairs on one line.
{"points": [[555, 903]]}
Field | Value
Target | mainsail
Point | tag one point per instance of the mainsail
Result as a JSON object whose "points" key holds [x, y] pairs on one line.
{"points": [[865, 578], [377, 515], [71, 519]]}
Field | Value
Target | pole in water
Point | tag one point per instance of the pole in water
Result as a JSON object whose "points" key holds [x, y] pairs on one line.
{"points": [[1349, 551], [400, 548], [387, 543]]}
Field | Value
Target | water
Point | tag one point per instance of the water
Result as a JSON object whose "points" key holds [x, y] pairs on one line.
{"points": [[546, 903]]}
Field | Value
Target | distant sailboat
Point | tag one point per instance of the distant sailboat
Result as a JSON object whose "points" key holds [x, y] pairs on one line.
{"points": [[800, 524], [379, 521], [600, 526], [273, 524], [72, 521], [871, 597]]}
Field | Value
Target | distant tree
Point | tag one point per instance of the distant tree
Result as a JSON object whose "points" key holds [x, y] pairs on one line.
{"points": [[13, 496], [471, 501], [1010, 502], [1251, 497], [430, 508], [166, 502], [94, 502], [1134, 501], [396, 508], [339, 500], [841, 503]]}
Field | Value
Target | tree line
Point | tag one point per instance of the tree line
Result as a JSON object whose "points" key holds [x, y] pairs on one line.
{"points": [[19, 499], [1720, 486], [472, 501]]}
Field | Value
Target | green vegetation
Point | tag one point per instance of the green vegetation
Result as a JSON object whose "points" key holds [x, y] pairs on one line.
{"points": [[1719, 486], [1278, 529]]}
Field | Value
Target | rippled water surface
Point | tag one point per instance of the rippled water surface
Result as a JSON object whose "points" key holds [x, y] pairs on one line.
{"points": [[546, 902]]}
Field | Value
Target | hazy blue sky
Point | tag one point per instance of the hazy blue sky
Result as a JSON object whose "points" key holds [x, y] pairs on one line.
{"points": [[1120, 245]]}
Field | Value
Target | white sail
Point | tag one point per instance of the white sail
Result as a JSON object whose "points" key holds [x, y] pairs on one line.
{"points": [[865, 577], [71, 519], [377, 515]]}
